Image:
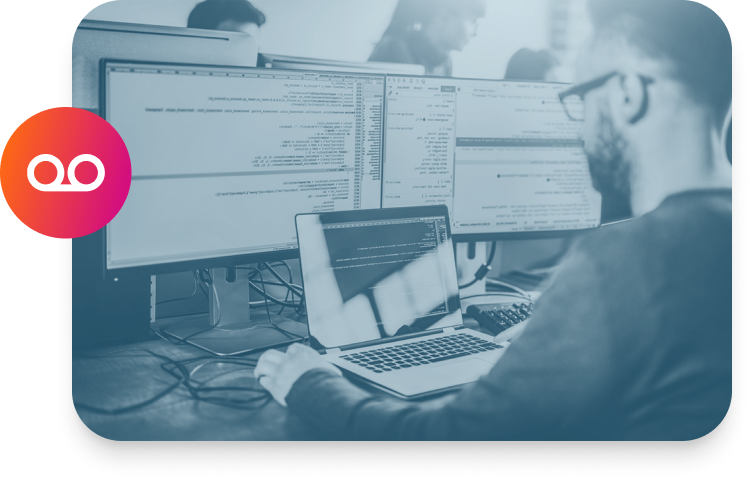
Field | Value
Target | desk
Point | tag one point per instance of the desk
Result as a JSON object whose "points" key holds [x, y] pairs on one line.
{"points": [[125, 375]]}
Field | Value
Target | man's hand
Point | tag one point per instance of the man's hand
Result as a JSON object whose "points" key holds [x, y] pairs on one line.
{"points": [[277, 371]]}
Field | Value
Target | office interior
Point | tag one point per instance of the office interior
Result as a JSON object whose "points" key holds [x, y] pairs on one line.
{"points": [[347, 31], [137, 304]]}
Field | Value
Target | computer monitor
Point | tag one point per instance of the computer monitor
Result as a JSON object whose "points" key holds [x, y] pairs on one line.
{"points": [[223, 158], [502, 155], [303, 63], [96, 39]]}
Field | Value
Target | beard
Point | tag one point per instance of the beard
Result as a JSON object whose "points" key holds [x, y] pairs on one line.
{"points": [[611, 172]]}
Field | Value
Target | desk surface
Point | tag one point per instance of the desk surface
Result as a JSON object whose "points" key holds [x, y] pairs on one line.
{"points": [[115, 377]]}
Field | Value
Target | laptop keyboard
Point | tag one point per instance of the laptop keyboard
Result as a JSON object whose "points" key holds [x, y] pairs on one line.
{"points": [[419, 353]]}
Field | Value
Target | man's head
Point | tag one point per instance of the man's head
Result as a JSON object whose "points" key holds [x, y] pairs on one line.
{"points": [[230, 15], [665, 67]]}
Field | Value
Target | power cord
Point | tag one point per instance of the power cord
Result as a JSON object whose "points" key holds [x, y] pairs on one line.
{"points": [[209, 281], [484, 269], [206, 281], [498, 283], [195, 289], [197, 390], [259, 270], [291, 288]]}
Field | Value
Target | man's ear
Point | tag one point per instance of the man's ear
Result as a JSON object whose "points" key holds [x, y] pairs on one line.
{"points": [[633, 103]]}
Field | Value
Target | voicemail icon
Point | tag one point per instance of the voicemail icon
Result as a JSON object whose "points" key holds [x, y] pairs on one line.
{"points": [[57, 184], [71, 202]]}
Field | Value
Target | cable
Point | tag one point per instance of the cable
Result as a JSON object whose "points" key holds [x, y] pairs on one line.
{"points": [[496, 282], [205, 278], [251, 278], [498, 294], [210, 283], [269, 297], [279, 278], [268, 314], [195, 289], [132, 407], [289, 292], [483, 269], [179, 370], [216, 298], [196, 388]]}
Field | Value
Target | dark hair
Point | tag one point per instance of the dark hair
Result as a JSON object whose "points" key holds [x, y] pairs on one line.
{"points": [[528, 64], [690, 37], [209, 14], [407, 13]]}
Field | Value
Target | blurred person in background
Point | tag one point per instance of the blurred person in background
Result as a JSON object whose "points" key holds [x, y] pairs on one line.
{"points": [[229, 15], [424, 32], [527, 64]]}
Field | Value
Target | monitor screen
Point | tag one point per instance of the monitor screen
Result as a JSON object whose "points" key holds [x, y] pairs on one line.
{"points": [[223, 158], [502, 155]]}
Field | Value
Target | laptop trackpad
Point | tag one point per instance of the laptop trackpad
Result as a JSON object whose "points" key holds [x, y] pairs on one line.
{"points": [[464, 371]]}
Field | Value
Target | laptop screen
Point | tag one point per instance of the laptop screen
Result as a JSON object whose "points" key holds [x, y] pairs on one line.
{"points": [[377, 274]]}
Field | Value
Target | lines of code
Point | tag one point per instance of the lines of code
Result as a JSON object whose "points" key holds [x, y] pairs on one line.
{"points": [[239, 152]]}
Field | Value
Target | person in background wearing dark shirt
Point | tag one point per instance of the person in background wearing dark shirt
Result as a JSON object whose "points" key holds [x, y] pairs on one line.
{"points": [[527, 64], [229, 15], [424, 32], [632, 339]]}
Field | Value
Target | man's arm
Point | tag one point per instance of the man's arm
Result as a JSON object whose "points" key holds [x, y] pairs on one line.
{"points": [[551, 378]]}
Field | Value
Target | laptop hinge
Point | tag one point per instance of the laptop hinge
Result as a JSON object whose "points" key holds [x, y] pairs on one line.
{"points": [[448, 329], [335, 350]]}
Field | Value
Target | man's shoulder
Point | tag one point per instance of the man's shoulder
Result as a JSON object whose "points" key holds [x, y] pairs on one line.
{"points": [[694, 209], [682, 220]]}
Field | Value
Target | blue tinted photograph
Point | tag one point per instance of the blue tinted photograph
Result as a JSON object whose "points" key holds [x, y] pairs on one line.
{"points": [[401, 220]]}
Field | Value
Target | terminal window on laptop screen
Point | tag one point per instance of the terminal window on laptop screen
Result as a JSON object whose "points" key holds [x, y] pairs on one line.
{"points": [[502, 155], [371, 279]]}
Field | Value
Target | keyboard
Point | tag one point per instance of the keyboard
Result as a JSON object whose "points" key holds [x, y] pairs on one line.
{"points": [[405, 356], [500, 317]]}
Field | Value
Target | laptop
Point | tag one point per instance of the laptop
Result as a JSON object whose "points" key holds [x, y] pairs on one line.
{"points": [[383, 302]]}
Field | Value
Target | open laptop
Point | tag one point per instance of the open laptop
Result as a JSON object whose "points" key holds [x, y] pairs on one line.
{"points": [[383, 302]]}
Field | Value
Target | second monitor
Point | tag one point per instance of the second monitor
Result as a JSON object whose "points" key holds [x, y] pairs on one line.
{"points": [[502, 155]]}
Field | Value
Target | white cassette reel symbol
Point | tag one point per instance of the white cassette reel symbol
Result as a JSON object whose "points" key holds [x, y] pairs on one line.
{"points": [[57, 184]]}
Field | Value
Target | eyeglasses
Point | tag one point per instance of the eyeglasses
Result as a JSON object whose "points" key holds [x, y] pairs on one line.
{"points": [[572, 98]]}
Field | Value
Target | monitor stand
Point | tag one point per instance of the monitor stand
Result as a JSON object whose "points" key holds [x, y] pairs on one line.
{"points": [[230, 330]]}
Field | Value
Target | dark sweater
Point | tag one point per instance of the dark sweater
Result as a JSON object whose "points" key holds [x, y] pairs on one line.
{"points": [[632, 341]]}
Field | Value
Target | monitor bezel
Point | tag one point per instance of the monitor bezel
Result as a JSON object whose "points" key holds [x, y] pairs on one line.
{"points": [[207, 262], [481, 236]]}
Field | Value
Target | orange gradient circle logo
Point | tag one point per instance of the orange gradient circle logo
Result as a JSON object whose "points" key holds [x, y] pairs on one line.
{"points": [[65, 172]]}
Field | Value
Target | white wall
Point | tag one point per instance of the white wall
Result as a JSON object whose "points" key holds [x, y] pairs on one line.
{"points": [[348, 29]]}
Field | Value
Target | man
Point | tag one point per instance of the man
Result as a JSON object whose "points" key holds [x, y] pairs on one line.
{"points": [[229, 15], [425, 32], [632, 341]]}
